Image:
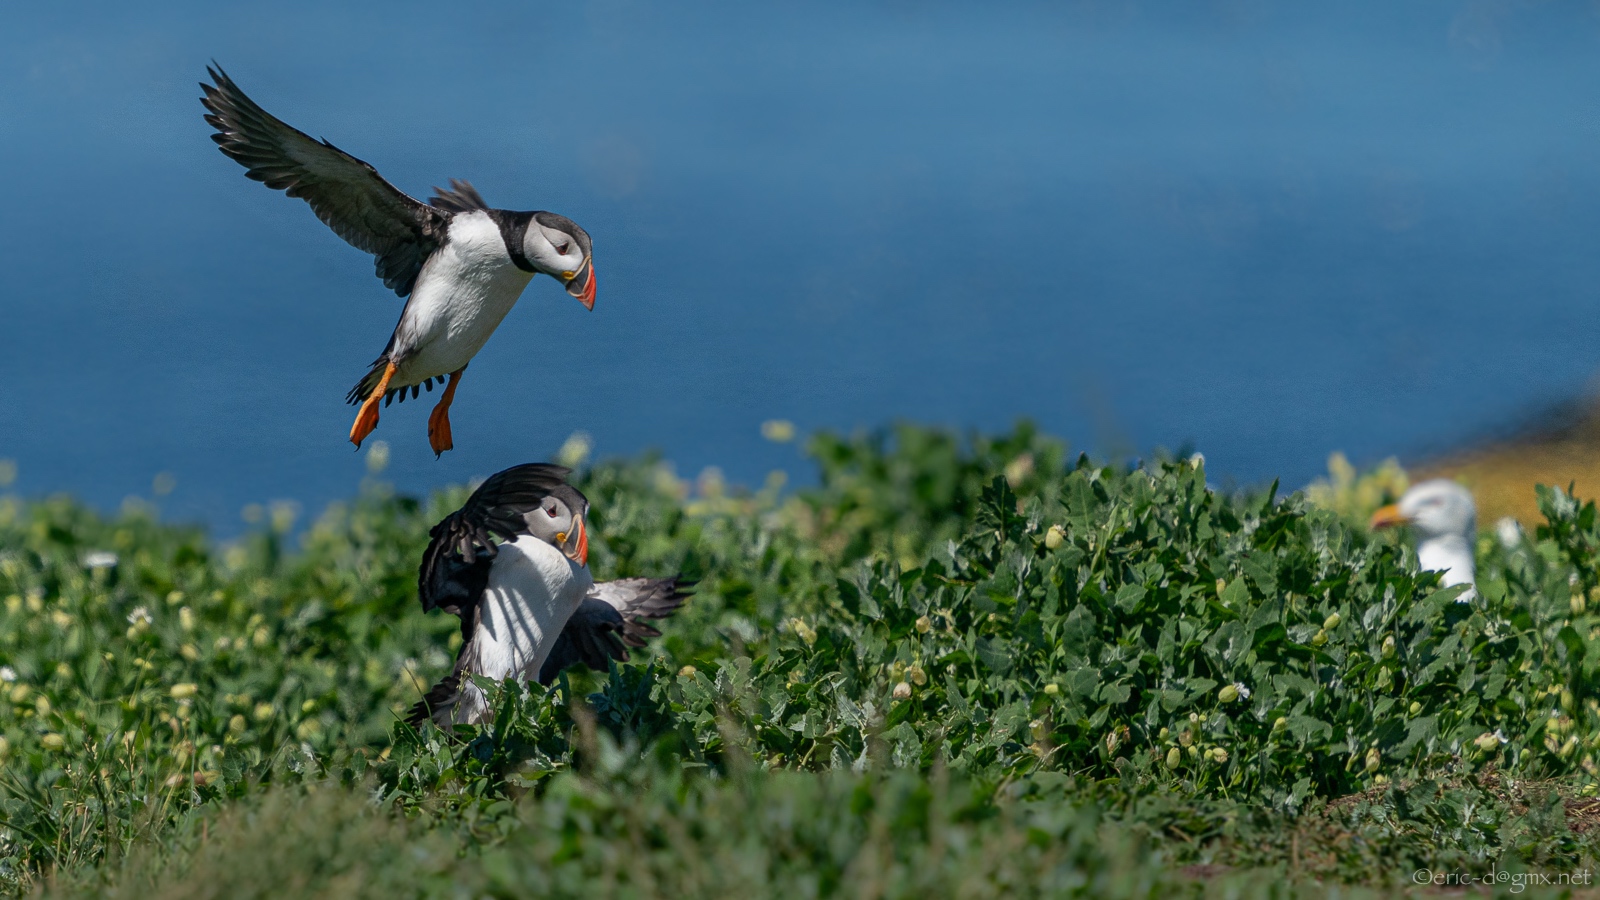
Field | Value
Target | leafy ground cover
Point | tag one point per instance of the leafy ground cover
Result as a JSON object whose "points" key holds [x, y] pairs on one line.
{"points": [[960, 666]]}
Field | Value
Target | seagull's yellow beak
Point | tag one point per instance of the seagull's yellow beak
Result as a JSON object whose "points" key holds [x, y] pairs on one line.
{"points": [[1387, 517]]}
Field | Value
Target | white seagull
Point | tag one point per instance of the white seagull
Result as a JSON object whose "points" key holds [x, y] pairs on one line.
{"points": [[528, 606], [1445, 519]]}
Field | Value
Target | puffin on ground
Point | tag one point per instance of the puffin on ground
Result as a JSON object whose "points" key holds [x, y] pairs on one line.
{"points": [[1445, 519], [462, 263], [528, 606]]}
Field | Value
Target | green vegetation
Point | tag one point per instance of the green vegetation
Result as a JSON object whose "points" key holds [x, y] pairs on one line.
{"points": [[954, 667]]}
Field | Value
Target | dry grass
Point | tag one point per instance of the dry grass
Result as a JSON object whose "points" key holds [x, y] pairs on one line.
{"points": [[1559, 448]]}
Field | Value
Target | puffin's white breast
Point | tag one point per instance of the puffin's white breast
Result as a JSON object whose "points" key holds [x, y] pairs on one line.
{"points": [[533, 589], [463, 292]]}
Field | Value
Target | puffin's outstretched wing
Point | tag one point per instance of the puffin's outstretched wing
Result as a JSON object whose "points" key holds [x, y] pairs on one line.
{"points": [[610, 620], [346, 194]]}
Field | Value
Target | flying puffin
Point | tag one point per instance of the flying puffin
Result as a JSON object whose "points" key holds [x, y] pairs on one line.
{"points": [[528, 606], [463, 264], [1445, 519]]}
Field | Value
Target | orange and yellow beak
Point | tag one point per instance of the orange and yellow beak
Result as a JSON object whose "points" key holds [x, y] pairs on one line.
{"points": [[581, 284], [1387, 517], [576, 543]]}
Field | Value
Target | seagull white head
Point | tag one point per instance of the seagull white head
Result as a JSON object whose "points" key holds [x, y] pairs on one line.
{"points": [[1446, 522]]}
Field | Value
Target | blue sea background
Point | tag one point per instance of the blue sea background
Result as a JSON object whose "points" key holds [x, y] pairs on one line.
{"points": [[1265, 230]]}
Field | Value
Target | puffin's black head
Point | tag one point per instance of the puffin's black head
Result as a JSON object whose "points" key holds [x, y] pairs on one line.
{"points": [[556, 246]]}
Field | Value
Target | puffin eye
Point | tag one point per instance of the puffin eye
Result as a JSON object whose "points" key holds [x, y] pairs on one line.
{"points": [[562, 250]]}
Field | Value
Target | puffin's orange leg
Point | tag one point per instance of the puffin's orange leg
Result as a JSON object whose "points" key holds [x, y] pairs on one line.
{"points": [[439, 419], [367, 418]]}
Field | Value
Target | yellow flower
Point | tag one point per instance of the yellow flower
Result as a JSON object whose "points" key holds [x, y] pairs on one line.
{"points": [[1054, 538], [264, 711], [803, 631], [779, 431]]}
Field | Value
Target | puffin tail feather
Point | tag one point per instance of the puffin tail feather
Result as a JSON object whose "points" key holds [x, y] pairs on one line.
{"points": [[437, 703]]}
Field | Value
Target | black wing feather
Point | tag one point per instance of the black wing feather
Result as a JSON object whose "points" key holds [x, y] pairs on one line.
{"points": [[348, 195], [610, 620]]}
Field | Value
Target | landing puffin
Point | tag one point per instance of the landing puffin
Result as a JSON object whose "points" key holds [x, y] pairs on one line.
{"points": [[528, 606], [462, 263]]}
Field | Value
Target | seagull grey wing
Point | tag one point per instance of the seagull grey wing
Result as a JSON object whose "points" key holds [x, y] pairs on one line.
{"points": [[637, 599], [348, 195], [589, 637], [461, 548]]}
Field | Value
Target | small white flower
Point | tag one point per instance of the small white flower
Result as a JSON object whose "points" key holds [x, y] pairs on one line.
{"points": [[1509, 532], [100, 559], [1244, 692], [7, 673], [140, 616]]}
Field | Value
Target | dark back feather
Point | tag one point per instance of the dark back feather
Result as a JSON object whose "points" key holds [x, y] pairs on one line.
{"points": [[462, 197]]}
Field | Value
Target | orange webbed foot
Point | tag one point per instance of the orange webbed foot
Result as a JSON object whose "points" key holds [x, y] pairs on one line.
{"points": [[439, 437], [367, 418]]}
